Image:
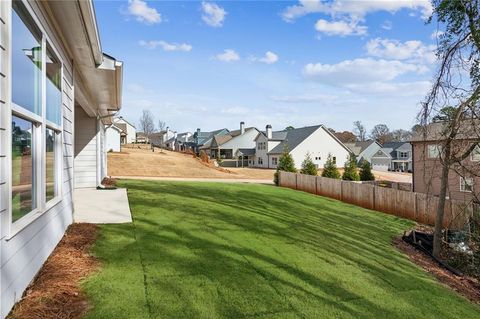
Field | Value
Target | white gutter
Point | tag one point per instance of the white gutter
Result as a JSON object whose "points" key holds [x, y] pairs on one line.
{"points": [[87, 12]]}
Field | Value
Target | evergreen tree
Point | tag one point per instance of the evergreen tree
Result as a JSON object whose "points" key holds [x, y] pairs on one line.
{"points": [[285, 163], [350, 173], [308, 167], [366, 171], [330, 169]]}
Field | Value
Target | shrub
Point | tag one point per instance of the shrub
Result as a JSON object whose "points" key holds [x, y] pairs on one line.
{"points": [[330, 169], [285, 163], [350, 173], [308, 167], [366, 172]]}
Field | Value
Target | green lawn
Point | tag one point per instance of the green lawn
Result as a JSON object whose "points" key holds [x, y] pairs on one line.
{"points": [[206, 250]]}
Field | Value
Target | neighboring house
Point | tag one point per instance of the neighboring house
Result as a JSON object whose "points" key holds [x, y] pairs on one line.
{"points": [[317, 141], [203, 140], [114, 138], [393, 156], [160, 138], [183, 141], [463, 179], [128, 129], [141, 138], [65, 105], [228, 146], [364, 150]]}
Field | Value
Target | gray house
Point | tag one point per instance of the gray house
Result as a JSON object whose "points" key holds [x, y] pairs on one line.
{"points": [[364, 150], [393, 156]]}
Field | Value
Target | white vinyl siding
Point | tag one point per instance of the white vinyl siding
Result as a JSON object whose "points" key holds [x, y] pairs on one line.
{"points": [[24, 252], [85, 149]]}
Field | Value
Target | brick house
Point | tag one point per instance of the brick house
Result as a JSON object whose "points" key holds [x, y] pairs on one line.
{"points": [[464, 178]]}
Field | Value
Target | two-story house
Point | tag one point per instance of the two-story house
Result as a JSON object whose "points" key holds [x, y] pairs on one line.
{"points": [[464, 178], [316, 140], [364, 150], [393, 156]]}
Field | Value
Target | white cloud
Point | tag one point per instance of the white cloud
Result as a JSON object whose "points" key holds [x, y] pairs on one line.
{"points": [[400, 89], [396, 50], [360, 71], [436, 34], [304, 98], [387, 25], [228, 55], [269, 58], [213, 14], [235, 110], [153, 44], [142, 12], [354, 9], [342, 28]]}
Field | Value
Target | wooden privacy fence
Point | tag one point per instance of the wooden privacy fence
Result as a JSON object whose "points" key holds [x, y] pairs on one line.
{"points": [[415, 206]]}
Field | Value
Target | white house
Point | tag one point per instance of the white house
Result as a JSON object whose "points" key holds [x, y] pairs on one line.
{"points": [[58, 90], [317, 141], [128, 128], [364, 150], [114, 137]]}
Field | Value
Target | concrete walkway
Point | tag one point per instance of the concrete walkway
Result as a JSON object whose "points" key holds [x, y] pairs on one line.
{"points": [[101, 206], [196, 179]]}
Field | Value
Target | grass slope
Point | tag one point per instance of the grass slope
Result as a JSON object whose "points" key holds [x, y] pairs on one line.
{"points": [[206, 250]]}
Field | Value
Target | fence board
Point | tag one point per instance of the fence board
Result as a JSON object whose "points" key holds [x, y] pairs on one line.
{"points": [[414, 206], [307, 183], [329, 187], [358, 194]]}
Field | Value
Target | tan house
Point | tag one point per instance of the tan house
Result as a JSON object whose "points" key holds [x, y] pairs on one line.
{"points": [[464, 178]]}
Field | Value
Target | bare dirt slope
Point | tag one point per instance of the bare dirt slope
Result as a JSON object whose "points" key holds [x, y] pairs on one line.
{"points": [[144, 162]]}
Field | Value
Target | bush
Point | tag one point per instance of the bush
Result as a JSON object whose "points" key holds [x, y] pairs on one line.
{"points": [[330, 169], [366, 171], [350, 173], [308, 167], [219, 157], [285, 163]]}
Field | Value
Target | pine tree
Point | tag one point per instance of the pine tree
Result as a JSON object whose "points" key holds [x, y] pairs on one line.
{"points": [[350, 173], [366, 171], [285, 163], [330, 169], [308, 167]]}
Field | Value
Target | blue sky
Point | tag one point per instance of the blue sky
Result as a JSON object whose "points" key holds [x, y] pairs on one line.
{"points": [[214, 64]]}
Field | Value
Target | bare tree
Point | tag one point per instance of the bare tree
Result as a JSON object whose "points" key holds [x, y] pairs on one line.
{"points": [[453, 101], [401, 135], [359, 131], [161, 125], [381, 133], [146, 124]]}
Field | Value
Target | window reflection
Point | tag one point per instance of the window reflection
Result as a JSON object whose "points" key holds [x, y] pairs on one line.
{"points": [[50, 165], [23, 199], [54, 95]]}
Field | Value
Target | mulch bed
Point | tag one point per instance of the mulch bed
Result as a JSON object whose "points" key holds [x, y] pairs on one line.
{"points": [[55, 291], [464, 285]]}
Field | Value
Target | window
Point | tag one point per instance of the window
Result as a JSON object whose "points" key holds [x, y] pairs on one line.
{"points": [[260, 161], [36, 117], [334, 160], [466, 184], [262, 146], [50, 165], [53, 89], [434, 151], [403, 154], [23, 168], [274, 161], [26, 62], [475, 156]]}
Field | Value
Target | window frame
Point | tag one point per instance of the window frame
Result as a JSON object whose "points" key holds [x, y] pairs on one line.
{"points": [[463, 183], [475, 152], [40, 125], [438, 150]]}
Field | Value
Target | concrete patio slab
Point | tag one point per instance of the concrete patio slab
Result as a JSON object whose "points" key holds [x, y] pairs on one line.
{"points": [[101, 206]]}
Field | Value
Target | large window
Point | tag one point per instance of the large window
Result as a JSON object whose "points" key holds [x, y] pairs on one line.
{"points": [[466, 184], [475, 156], [26, 62], [23, 168], [434, 151], [36, 117]]}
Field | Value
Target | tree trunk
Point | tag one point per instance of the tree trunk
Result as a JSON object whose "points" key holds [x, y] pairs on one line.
{"points": [[437, 235]]}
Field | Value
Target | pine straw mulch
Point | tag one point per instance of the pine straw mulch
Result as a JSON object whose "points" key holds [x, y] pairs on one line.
{"points": [[55, 291], [464, 285]]}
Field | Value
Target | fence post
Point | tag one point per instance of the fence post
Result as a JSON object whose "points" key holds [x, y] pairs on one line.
{"points": [[296, 181], [316, 185], [415, 207], [341, 190]]}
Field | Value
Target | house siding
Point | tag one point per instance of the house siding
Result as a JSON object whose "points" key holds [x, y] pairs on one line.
{"points": [[246, 140], [85, 149], [427, 172], [319, 144], [113, 140], [24, 252]]}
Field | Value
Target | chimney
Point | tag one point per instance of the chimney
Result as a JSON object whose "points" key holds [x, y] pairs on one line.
{"points": [[242, 128], [269, 131], [175, 135]]}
